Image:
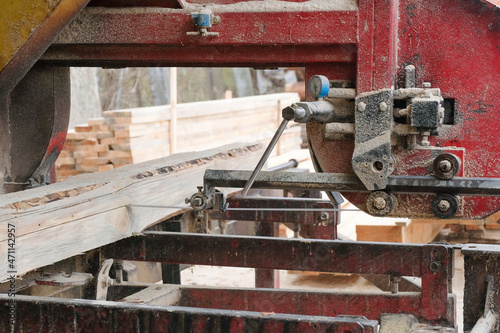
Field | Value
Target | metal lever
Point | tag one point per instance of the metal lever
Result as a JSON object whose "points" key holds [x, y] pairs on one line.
{"points": [[264, 157]]}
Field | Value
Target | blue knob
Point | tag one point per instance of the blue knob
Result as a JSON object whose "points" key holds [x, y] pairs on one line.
{"points": [[201, 20]]}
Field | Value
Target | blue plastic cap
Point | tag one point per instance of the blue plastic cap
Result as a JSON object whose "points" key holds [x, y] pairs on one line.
{"points": [[318, 86], [201, 20]]}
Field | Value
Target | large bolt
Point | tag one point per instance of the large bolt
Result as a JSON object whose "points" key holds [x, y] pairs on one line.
{"points": [[383, 107], [434, 266], [426, 85], [444, 165], [361, 106], [379, 203], [324, 219], [444, 205], [197, 202], [395, 280]]}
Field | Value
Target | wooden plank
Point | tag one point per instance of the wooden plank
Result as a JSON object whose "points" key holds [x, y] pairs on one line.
{"points": [[421, 231], [64, 219], [380, 233], [417, 231]]}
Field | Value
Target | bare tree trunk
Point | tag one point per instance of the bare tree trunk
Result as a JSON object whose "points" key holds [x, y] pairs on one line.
{"points": [[160, 85], [244, 84], [85, 102]]}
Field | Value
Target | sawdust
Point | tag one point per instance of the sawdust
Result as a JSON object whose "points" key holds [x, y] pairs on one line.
{"points": [[247, 6]]}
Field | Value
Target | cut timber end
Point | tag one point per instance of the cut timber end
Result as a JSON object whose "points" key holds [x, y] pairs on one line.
{"points": [[64, 219]]}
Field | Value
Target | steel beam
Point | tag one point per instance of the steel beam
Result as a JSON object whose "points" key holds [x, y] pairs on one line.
{"points": [[431, 262], [350, 183], [44, 314]]}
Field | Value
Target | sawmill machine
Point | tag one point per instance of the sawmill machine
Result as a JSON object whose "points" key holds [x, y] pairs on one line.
{"points": [[402, 117]]}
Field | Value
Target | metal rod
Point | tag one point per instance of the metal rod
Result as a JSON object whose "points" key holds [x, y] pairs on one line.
{"points": [[293, 163], [264, 157], [296, 209], [350, 183], [159, 206], [261, 209]]}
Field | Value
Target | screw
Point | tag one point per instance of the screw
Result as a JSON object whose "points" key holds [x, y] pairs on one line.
{"points": [[425, 139], [426, 85], [324, 219], [395, 279], [197, 202], [379, 203], [434, 266], [361, 106], [444, 165], [383, 107], [444, 205]]}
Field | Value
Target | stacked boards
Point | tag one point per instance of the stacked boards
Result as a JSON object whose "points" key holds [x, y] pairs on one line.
{"points": [[124, 137]]}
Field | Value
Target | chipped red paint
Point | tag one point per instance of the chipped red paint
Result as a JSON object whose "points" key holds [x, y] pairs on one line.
{"points": [[57, 142], [454, 45]]}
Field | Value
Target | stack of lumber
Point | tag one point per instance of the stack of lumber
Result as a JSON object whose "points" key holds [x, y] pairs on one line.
{"points": [[85, 149], [130, 136]]}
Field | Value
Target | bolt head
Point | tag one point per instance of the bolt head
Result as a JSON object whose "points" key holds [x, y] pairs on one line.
{"points": [[383, 107], [426, 85], [361, 106], [444, 205], [379, 203], [197, 202], [323, 216], [434, 266], [445, 166]]}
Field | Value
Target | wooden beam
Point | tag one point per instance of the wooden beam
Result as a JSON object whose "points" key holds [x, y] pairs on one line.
{"points": [[64, 219], [417, 231]]}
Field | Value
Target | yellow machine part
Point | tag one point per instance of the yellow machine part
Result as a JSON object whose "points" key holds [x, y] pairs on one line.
{"points": [[22, 19], [18, 20]]}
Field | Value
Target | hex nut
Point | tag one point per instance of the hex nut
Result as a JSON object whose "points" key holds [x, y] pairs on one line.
{"points": [[444, 205], [379, 203], [434, 266]]}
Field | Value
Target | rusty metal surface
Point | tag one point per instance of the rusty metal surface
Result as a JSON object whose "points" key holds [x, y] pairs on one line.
{"points": [[425, 31], [44, 314], [369, 45], [431, 262], [320, 223], [350, 183]]}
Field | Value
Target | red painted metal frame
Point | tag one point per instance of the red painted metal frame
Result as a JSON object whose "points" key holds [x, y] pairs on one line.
{"points": [[311, 224], [454, 45], [46, 314], [433, 304]]}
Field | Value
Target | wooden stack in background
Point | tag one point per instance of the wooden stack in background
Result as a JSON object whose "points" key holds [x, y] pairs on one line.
{"points": [[130, 136]]}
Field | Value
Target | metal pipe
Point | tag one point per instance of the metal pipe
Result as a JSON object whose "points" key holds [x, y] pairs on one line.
{"points": [[293, 163], [350, 183], [264, 157], [348, 93]]}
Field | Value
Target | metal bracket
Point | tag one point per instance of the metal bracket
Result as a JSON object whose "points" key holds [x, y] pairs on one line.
{"points": [[372, 161]]}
